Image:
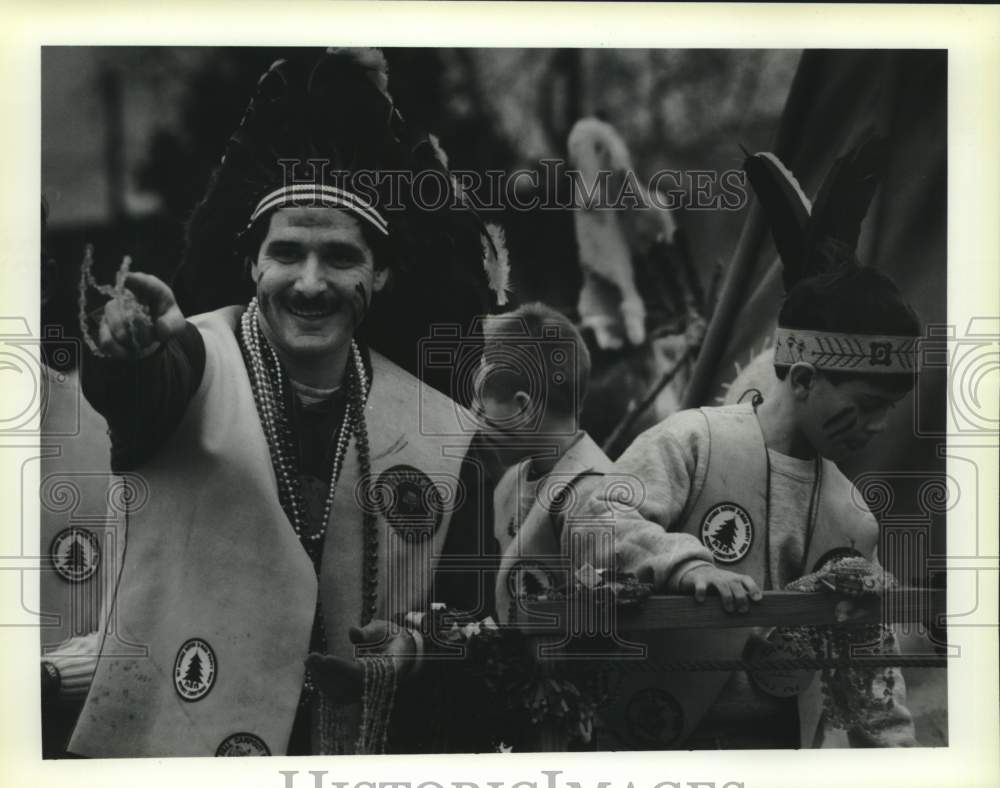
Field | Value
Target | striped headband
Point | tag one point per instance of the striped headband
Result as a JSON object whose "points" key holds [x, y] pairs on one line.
{"points": [[315, 194], [867, 353]]}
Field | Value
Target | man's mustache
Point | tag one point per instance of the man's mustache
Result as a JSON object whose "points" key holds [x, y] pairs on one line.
{"points": [[328, 302]]}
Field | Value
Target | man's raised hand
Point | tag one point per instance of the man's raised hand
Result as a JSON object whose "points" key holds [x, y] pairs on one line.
{"points": [[127, 331]]}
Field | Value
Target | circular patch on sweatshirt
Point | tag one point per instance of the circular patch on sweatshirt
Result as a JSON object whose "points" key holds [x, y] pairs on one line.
{"points": [[654, 719], [409, 500], [194, 670], [242, 745], [75, 554], [530, 579], [728, 532]]}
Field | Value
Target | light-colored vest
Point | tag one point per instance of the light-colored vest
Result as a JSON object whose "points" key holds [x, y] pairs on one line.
{"points": [[213, 569], [654, 709], [74, 483], [531, 554]]}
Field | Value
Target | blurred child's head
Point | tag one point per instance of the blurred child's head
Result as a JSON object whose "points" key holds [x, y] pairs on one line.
{"points": [[841, 399], [534, 373]]}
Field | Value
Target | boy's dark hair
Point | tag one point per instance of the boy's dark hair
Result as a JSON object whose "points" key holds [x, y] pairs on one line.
{"points": [[855, 300], [537, 350]]}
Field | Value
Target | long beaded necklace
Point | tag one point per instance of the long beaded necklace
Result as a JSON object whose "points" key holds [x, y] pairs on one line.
{"points": [[272, 396]]}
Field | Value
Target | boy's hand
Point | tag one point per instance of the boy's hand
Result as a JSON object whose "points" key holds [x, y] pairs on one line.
{"points": [[344, 678], [126, 332], [736, 590]]}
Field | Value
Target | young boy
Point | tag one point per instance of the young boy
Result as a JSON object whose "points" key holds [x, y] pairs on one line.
{"points": [[532, 383], [759, 488]]}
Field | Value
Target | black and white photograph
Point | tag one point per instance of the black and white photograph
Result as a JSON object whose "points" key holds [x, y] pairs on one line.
{"points": [[446, 400]]}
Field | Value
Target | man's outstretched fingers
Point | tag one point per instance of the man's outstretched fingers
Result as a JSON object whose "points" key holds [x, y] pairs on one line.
{"points": [[117, 323], [152, 291], [106, 342], [168, 320], [700, 590]]}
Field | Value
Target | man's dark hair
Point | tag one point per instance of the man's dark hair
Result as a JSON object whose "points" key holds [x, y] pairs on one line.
{"points": [[536, 349], [855, 300]]}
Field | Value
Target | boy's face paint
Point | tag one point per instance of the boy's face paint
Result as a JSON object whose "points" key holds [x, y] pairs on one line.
{"points": [[840, 420]]}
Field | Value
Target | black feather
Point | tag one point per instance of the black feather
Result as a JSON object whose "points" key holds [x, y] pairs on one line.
{"points": [[842, 203], [786, 207]]}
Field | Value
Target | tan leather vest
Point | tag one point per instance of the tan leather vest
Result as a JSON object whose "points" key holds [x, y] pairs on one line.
{"points": [[77, 512], [531, 553], [216, 589]]}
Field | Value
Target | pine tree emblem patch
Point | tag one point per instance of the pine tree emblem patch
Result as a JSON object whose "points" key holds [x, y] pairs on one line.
{"points": [[194, 670], [654, 719], [242, 745], [530, 579], [728, 532], [409, 500], [75, 554]]}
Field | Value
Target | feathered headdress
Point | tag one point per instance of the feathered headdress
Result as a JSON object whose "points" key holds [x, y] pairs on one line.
{"points": [[820, 238], [338, 113], [812, 238]]}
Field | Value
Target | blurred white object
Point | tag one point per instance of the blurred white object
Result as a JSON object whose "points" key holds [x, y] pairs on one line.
{"points": [[608, 234]]}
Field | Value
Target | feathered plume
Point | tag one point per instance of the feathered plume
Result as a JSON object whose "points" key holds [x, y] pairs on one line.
{"points": [[787, 209], [811, 239], [842, 202], [496, 262], [369, 58]]}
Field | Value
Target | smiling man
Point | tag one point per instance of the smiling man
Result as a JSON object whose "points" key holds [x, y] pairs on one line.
{"points": [[315, 275], [281, 454]]}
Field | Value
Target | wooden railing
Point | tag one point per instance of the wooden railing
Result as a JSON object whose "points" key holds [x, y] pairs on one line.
{"points": [[777, 608]]}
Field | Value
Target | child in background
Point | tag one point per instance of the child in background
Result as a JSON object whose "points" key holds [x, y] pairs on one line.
{"points": [[532, 384]]}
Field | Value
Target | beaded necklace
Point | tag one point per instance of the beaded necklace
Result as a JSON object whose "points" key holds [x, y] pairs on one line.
{"points": [[272, 395]]}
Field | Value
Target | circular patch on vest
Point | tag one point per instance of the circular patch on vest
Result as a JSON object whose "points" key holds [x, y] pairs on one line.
{"points": [[242, 745], [778, 683], [194, 670], [728, 532], [654, 719], [529, 578], [75, 554], [409, 500]]}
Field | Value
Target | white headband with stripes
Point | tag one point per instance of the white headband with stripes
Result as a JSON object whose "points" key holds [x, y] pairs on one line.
{"points": [[310, 194], [867, 353]]}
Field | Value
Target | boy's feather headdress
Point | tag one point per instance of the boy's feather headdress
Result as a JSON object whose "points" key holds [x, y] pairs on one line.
{"points": [[822, 237], [815, 237]]}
